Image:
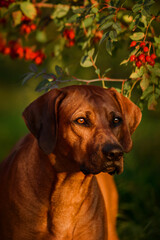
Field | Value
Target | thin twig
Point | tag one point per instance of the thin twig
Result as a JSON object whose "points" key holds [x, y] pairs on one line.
{"points": [[122, 89], [129, 96], [148, 27], [100, 79]]}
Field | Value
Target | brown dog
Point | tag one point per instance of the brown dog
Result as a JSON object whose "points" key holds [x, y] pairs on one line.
{"points": [[47, 185]]}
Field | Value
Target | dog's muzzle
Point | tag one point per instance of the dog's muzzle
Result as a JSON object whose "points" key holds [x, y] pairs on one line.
{"points": [[113, 159]]}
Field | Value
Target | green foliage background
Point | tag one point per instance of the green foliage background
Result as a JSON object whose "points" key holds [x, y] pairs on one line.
{"points": [[138, 186]]}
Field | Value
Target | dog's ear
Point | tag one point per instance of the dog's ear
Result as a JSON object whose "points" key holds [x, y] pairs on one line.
{"points": [[41, 119], [132, 117]]}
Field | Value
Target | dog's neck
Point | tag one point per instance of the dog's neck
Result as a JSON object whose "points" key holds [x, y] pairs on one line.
{"points": [[69, 196], [73, 194]]}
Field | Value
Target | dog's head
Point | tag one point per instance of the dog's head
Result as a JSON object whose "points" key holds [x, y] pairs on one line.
{"points": [[87, 126]]}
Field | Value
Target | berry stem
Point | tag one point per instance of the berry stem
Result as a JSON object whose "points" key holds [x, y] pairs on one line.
{"points": [[130, 92], [148, 27]]}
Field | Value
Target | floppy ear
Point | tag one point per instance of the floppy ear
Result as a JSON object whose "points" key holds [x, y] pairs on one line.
{"points": [[132, 117], [41, 119]]}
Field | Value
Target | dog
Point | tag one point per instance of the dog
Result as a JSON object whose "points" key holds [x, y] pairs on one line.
{"points": [[57, 182]]}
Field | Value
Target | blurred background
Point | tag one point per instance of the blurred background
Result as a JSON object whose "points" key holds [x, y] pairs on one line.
{"points": [[138, 185]]}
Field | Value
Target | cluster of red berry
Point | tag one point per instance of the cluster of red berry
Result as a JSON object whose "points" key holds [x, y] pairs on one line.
{"points": [[27, 25], [6, 3], [15, 50], [69, 35], [143, 56]]}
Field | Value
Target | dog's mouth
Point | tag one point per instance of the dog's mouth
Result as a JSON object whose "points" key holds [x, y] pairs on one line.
{"points": [[108, 169], [87, 171], [112, 170]]}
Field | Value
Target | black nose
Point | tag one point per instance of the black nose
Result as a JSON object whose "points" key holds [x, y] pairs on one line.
{"points": [[112, 152]]}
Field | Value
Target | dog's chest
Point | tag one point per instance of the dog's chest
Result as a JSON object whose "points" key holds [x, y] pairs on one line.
{"points": [[75, 206]]}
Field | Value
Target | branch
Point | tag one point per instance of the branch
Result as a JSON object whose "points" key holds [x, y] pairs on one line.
{"points": [[100, 79]]}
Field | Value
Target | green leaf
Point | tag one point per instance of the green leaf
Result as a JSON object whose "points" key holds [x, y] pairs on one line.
{"points": [[113, 35], [97, 71], [27, 77], [33, 67], [86, 61], [157, 40], [105, 26], [134, 75], [42, 85], [107, 70], [149, 3], [154, 79], [145, 13], [91, 52], [144, 20], [158, 91], [17, 16], [138, 73], [78, 10], [134, 52], [144, 83], [60, 11], [88, 22], [104, 37], [109, 46], [28, 9], [137, 36], [41, 36], [147, 92], [94, 10], [124, 61], [152, 103], [12, 7], [73, 18], [136, 7], [155, 70], [117, 26]]}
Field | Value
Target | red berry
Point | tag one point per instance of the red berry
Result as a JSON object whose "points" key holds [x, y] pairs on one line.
{"points": [[152, 62], [132, 58], [6, 3], [33, 27], [153, 56], [25, 29], [148, 59], [97, 36], [70, 43], [65, 33], [28, 29], [133, 43], [138, 64], [38, 60], [33, 55], [142, 44], [20, 52], [71, 34], [28, 53], [145, 49], [2, 44], [25, 19], [6, 50], [142, 58]]}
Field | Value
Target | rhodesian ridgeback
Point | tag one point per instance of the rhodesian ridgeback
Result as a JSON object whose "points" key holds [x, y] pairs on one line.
{"points": [[57, 184]]}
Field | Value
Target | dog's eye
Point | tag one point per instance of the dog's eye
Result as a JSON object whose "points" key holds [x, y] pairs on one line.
{"points": [[81, 121], [116, 120]]}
